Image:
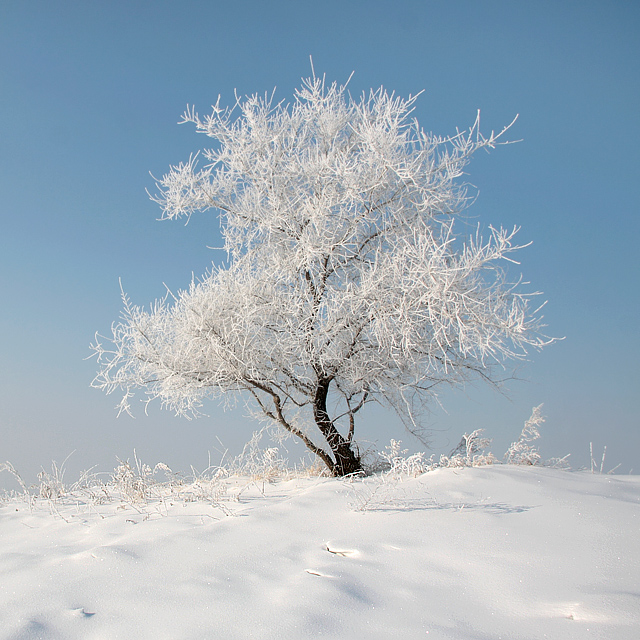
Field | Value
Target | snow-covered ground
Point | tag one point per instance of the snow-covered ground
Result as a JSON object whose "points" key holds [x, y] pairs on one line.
{"points": [[491, 552]]}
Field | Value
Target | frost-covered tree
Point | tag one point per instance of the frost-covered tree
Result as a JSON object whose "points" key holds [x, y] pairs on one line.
{"points": [[345, 281]]}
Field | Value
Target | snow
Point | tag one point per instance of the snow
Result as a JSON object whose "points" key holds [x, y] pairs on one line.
{"points": [[491, 552]]}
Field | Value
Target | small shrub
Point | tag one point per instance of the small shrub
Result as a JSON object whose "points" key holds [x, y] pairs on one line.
{"points": [[399, 464], [469, 452], [522, 451]]}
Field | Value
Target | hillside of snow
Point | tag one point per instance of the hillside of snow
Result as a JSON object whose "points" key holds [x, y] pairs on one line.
{"points": [[474, 553]]}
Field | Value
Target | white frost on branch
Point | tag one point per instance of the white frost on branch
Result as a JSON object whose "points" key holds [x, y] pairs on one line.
{"points": [[522, 450], [346, 280]]}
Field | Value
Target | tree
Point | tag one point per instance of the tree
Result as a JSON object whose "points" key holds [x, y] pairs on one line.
{"points": [[344, 282]]}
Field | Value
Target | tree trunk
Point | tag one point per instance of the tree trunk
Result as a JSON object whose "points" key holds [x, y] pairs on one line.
{"points": [[346, 461]]}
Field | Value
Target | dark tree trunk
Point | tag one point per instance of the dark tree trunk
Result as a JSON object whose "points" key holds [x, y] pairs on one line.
{"points": [[346, 461]]}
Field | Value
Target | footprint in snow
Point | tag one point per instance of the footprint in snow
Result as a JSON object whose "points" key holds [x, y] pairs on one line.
{"points": [[345, 553], [315, 572], [81, 612]]}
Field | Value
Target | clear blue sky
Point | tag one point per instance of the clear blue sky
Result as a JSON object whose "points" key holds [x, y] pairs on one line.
{"points": [[90, 93]]}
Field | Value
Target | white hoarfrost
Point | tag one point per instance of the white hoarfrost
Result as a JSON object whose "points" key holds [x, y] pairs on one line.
{"points": [[346, 280], [522, 451]]}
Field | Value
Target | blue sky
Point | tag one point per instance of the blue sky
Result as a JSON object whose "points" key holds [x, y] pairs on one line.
{"points": [[90, 94]]}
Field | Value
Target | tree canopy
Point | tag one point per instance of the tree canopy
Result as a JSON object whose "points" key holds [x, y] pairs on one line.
{"points": [[349, 275]]}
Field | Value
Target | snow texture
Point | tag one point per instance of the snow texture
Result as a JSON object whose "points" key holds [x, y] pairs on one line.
{"points": [[492, 552]]}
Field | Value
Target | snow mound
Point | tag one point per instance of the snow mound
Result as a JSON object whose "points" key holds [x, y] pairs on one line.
{"points": [[490, 552]]}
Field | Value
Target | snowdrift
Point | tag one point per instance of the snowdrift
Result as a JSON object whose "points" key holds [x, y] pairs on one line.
{"points": [[492, 552]]}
